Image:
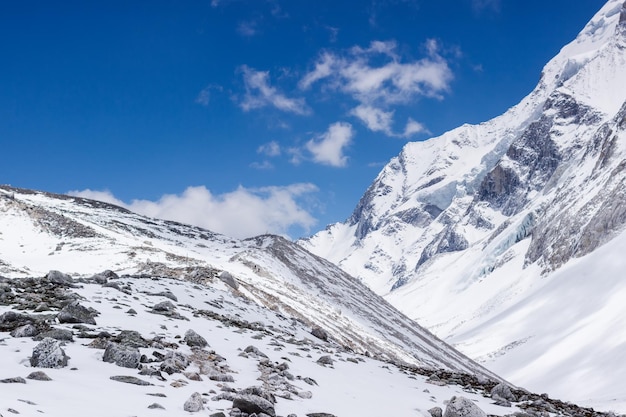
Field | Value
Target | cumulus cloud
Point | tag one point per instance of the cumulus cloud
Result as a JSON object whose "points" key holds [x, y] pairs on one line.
{"points": [[242, 213], [375, 119], [377, 75], [413, 128], [270, 149], [328, 148], [247, 28], [260, 93]]}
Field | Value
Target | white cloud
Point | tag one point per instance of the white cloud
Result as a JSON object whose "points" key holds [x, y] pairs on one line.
{"points": [[259, 93], [262, 165], [204, 96], [480, 5], [377, 75], [242, 213], [375, 119], [413, 128], [270, 149], [328, 148], [247, 28]]}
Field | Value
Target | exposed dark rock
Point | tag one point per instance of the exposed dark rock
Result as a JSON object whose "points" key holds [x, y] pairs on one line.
{"points": [[157, 406], [255, 351], [48, 354], [259, 392], [131, 338], [124, 356], [57, 334], [320, 415], [39, 376], [15, 380], [76, 313], [502, 391], [130, 380], [194, 403], [194, 339], [320, 333], [254, 404], [59, 278]]}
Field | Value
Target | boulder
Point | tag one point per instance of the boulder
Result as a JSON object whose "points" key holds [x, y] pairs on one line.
{"points": [[76, 313], [462, 407], [228, 279], [320, 333], [130, 380], [39, 376], [325, 360], [56, 334], [194, 403], [502, 391], [254, 404], [27, 330], [174, 362], [124, 356], [48, 354], [194, 339], [59, 278], [436, 412]]}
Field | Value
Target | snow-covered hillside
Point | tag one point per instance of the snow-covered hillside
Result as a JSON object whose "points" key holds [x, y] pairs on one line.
{"points": [[464, 232], [162, 318]]}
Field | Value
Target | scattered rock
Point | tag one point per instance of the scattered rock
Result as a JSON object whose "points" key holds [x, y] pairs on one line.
{"points": [[48, 354], [259, 392], [254, 350], [436, 412], [320, 333], [125, 356], [132, 312], [59, 278], [462, 407], [174, 362], [325, 360], [194, 339], [164, 307], [228, 279], [131, 338], [130, 380], [156, 406], [27, 330], [218, 414], [320, 415], [254, 404], [39, 376], [56, 334], [194, 403], [76, 313], [502, 391], [15, 380]]}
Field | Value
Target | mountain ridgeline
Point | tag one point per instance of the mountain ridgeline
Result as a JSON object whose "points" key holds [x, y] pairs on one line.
{"points": [[461, 230]]}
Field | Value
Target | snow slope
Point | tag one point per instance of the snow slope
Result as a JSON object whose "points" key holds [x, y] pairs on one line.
{"points": [[461, 231], [42, 232]]}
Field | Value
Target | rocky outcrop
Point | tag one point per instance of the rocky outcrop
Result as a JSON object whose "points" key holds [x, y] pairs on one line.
{"points": [[49, 354]]}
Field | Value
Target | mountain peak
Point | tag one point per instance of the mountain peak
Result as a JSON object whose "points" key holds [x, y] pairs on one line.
{"points": [[485, 215]]}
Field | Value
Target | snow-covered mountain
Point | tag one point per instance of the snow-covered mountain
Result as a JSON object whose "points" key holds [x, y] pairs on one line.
{"points": [[507, 238]]}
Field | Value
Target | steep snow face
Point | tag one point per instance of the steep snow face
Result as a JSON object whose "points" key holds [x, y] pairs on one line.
{"points": [[41, 232], [459, 229]]}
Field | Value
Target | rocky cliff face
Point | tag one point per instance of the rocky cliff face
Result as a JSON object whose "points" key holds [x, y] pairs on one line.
{"points": [[458, 229]]}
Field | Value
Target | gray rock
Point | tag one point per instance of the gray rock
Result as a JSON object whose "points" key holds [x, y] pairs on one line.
{"points": [[325, 360], [254, 404], [75, 313], [15, 380], [39, 376], [228, 279], [59, 278], [502, 391], [156, 406], [259, 392], [27, 330], [320, 333], [48, 354], [194, 339], [125, 356], [174, 362], [130, 380], [436, 412], [320, 415], [131, 338], [254, 350], [218, 414], [462, 407], [164, 307], [194, 403], [56, 334]]}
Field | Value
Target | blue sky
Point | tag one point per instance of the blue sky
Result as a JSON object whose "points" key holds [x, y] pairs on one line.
{"points": [[255, 116]]}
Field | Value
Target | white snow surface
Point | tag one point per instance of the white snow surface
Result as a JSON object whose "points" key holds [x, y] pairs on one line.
{"points": [[520, 291]]}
